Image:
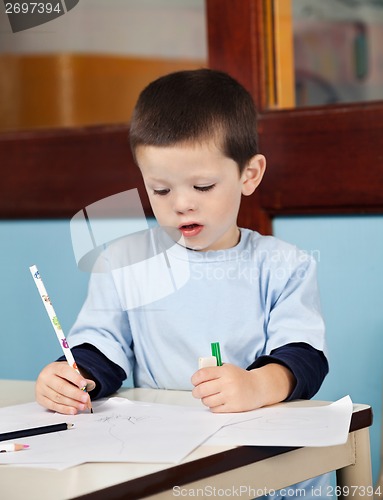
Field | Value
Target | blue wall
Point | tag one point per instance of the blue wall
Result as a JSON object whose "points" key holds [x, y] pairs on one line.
{"points": [[350, 275], [349, 251], [28, 341]]}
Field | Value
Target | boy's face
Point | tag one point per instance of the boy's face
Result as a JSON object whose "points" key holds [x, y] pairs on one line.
{"points": [[195, 188]]}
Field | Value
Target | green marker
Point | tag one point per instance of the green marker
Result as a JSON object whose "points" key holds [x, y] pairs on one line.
{"points": [[216, 351]]}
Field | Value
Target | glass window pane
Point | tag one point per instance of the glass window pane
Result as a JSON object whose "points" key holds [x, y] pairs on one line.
{"points": [[338, 51], [89, 65]]}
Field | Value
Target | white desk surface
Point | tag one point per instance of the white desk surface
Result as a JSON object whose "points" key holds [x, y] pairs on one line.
{"points": [[17, 483]]}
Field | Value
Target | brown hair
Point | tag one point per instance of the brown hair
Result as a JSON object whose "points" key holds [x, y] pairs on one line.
{"points": [[196, 106]]}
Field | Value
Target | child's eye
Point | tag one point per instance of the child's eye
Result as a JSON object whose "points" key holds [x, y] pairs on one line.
{"points": [[204, 188], [161, 192]]}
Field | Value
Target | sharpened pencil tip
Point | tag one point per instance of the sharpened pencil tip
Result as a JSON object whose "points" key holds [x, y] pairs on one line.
{"points": [[90, 406]]}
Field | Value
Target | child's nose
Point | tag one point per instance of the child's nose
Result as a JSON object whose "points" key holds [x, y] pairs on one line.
{"points": [[184, 203]]}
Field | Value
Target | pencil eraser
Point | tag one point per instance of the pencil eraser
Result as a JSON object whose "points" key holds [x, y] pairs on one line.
{"points": [[206, 362]]}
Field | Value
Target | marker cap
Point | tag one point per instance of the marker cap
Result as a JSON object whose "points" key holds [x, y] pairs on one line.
{"points": [[206, 362]]}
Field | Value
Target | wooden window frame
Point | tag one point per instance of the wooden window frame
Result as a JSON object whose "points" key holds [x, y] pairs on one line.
{"points": [[322, 160]]}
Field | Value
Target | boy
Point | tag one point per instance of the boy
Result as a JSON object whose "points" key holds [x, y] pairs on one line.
{"points": [[193, 136]]}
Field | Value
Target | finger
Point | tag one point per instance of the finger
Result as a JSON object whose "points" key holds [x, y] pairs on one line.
{"points": [[90, 385], [66, 387], [58, 389], [214, 403], [53, 401], [56, 407], [85, 389], [206, 389], [66, 397], [55, 387], [205, 374], [64, 371], [220, 409], [77, 380]]}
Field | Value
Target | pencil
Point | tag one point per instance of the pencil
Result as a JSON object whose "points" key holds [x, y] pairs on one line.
{"points": [[55, 322], [216, 351], [5, 447], [35, 431]]}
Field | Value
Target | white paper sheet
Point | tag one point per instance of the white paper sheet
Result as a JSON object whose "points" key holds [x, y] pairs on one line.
{"points": [[288, 425], [118, 431]]}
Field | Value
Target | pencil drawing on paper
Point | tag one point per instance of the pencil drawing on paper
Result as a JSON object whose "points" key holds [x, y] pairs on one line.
{"points": [[112, 419], [120, 426]]}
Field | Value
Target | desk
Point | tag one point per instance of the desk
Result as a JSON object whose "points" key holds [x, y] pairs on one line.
{"points": [[207, 467]]}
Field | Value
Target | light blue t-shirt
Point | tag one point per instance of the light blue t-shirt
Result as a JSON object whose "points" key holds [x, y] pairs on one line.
{"points": [[156, 316], [155, 311]]}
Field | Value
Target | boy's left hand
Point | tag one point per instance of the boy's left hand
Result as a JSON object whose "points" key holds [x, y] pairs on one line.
{"points": [[228, 388]]}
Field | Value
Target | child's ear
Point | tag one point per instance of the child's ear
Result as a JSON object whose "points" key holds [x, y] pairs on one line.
{"points": [[252, 174]]}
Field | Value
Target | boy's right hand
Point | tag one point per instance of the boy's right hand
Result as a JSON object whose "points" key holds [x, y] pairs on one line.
{"points": [[59, 388]]}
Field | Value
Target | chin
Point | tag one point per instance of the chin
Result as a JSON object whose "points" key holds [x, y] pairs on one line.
{"points": [[195, 245]]}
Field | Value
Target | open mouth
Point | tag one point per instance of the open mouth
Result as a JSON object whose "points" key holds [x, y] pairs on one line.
{"points": [[189, 230]]}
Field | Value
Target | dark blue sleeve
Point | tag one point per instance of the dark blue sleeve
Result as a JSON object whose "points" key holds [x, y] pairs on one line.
{"points": [[308, 365], [107, 375]]}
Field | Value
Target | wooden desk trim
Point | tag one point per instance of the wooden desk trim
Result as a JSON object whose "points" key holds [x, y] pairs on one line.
{"points": [[203, 468]]}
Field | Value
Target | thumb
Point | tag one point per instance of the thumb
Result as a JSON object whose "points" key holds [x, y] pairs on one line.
{"points": [[90, 385]]}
